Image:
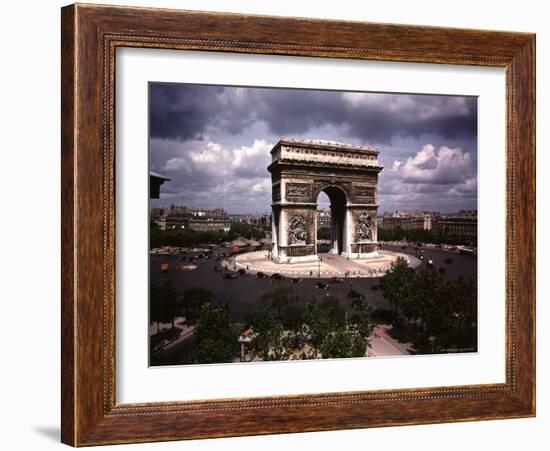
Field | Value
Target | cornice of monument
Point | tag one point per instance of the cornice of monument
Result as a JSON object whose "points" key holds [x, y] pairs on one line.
{"points": [[325, 145]]}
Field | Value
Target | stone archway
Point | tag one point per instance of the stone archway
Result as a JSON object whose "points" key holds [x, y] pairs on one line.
{"points": [[338, 202], [302, 169]]}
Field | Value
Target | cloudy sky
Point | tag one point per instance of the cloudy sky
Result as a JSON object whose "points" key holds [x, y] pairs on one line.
{"points": [[214, 142]]}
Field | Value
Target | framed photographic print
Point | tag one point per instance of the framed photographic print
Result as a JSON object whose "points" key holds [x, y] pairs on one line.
{"points": [[278, 225]]}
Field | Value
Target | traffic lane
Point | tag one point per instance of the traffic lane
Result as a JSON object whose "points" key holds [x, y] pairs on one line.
{"points": [[244, 292], [462, 264]]}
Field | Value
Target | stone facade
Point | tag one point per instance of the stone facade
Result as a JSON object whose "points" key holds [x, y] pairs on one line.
{"points": [[300, 171]]}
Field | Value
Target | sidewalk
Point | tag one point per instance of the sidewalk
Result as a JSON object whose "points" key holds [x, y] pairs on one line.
{"points": [[382, 345]]}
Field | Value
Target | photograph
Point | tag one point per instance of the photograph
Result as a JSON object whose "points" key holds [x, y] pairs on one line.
{"points": [[294, 224]]}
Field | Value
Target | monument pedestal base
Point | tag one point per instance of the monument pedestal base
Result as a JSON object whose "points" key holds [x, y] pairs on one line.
{"points": [[300, 259], [296, 253], [357, 255]]}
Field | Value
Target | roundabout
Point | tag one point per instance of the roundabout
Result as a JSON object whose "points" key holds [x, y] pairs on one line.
{"points": [[329, 265]]}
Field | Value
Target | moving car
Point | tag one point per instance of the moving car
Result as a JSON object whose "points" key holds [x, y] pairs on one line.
{"points": [[322, 286], [230, 275]]}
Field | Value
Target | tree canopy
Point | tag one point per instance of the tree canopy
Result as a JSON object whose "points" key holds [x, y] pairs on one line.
{"points": [[436, 315], [215, 336]]}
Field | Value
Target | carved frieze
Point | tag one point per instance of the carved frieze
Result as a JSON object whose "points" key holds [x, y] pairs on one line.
{"points": [[298, 191], [346, 157], [364, 194]]}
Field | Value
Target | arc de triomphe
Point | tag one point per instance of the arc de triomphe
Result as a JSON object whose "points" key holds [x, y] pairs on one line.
{"points": [[300, 171]]}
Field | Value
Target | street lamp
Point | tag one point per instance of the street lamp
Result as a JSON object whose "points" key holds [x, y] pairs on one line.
{"points": [[319, 268]]}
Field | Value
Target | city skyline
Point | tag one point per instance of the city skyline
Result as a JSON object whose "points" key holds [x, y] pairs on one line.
{"points": [[213, 142], [319, 208]]}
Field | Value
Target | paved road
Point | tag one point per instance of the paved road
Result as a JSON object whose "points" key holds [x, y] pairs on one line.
{"points": [[381, 344], [242, 293]]}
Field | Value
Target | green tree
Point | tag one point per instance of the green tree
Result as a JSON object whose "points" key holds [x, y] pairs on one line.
{"points": [[398, 284], [322, 317], [268, 341], [155, 306], [293, 319], [194, 299], [429, 302], [247, 231], [324, 233], [163, 306], [280, 298], [464, 312], [360, 320], [215, 336], [168, 298], [341, 344]]}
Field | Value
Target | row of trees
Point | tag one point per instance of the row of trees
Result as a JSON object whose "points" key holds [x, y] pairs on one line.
{"points": [[166, 305], [214, 334], [284, 327], [434, 314], [435, 236], [190, 238]]}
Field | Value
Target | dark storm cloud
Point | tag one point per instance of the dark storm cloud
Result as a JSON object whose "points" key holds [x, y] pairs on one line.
{"points": [[214, 142], [186, 111], [372, 118]]}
